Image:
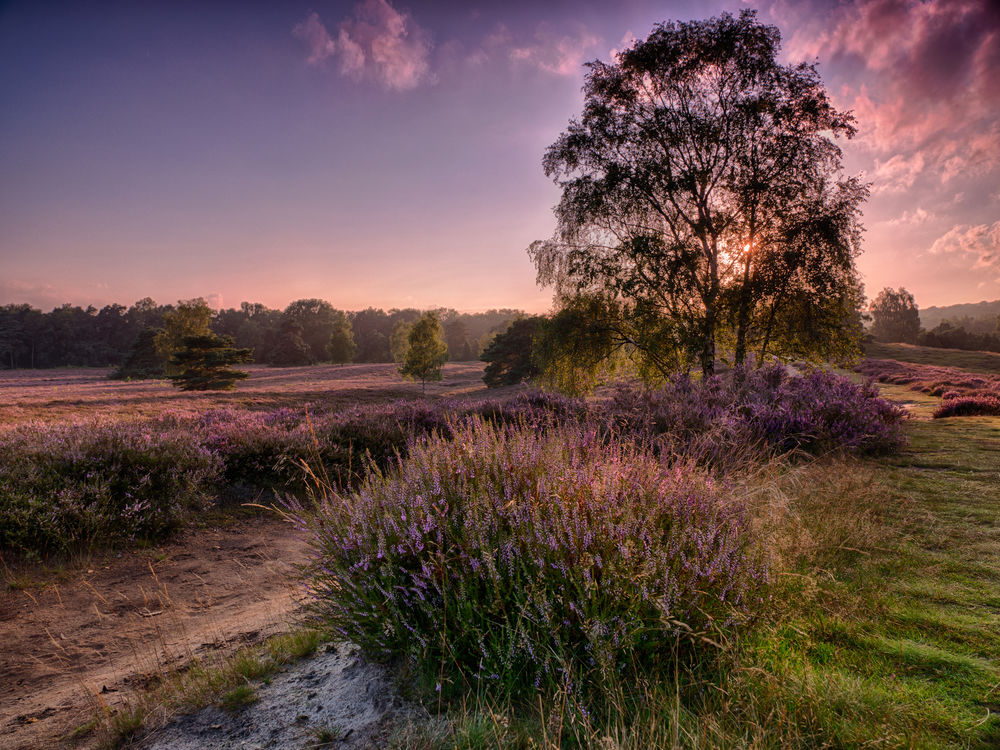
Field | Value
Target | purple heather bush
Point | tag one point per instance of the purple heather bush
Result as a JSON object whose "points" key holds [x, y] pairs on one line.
{"points": [[513, 558], [946, 382], [969, 406], [104, 482], [719, 422]]}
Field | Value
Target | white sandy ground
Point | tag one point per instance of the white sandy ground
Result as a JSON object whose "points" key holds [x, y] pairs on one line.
{"points": [[336, 690]]}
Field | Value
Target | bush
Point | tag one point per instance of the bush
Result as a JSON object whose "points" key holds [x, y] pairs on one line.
{"points": [[969, 406], [515, 558], [716, 422], [103, 482]]}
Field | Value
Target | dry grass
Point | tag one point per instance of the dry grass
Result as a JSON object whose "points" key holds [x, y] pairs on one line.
{"points": [[76, 395]]}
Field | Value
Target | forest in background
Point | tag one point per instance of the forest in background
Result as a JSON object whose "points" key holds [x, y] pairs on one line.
{"points": [[73, 336]]}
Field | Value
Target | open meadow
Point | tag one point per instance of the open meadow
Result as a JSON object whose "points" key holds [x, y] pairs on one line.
{"points": [[845, 593]]}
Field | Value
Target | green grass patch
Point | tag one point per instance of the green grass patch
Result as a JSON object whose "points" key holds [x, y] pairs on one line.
{"points": [[972, 361]]}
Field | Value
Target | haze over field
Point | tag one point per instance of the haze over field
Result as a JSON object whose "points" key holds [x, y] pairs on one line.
{"points": [[388, 153]]}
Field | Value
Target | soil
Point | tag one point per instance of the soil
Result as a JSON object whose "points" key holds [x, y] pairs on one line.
{"points": [[333, 699], [81, 635]]}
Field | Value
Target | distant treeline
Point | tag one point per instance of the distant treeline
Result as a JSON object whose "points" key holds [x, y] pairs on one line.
{"points": [[974, 334], [72, 336]]}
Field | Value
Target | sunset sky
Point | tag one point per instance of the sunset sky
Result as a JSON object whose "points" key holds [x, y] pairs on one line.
{"points": [[388, 152]]}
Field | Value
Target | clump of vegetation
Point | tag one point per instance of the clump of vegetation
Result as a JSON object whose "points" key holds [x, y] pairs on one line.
{"points": [[143, 360], [512, 559], [509, 357], [947, 382], [104, 482], [205, 363], [712, 419], [969, 406], [426, 351]]}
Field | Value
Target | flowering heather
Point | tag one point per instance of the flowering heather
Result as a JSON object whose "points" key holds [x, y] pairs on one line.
{"points": [[714, 421], [523, 558], [946, 382], [969, 406], [104, 482]]}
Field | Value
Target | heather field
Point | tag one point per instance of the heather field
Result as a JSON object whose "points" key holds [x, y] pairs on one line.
{"points": [[760, 560], [74, 395]]}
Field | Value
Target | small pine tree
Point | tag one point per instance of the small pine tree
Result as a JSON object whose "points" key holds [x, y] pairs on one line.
{"points": [[426, 352], [341, 347], [143, 360], [204, 363]]}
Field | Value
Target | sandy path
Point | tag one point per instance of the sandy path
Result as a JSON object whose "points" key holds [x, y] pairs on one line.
{"points": [[83, 635]]}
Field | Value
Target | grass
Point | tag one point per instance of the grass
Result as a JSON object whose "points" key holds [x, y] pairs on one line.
{"points": [[885, 631], [898, 644], [986, 362]]}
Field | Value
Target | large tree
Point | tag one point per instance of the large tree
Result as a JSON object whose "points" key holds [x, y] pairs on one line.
{"points": [[702, 195], [895, 316]]}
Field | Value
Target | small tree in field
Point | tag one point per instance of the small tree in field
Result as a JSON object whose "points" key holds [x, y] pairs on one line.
{"points": [[426, 352], [204, 363], [190, 318], [895, 316]]}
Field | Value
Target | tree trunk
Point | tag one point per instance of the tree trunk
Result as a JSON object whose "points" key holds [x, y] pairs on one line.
{"points": [[743, 318]]}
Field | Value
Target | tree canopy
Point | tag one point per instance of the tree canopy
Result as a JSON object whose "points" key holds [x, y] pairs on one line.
{"points": [[204, 363], [426, 351], [702, 200], [508, 356], [895, 316]]}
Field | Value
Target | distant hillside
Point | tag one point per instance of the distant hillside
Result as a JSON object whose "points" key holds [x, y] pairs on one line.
{"points": [[930, 317]]}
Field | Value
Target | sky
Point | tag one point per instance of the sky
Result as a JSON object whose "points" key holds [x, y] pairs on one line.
{"points": [[387, 153]]}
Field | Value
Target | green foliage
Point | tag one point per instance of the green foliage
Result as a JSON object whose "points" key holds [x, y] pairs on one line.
{"points": [[143, 360], [399, 340], [317, 319], [65, 488], [456, 336], [341, 347], [575, 347], [701, 195], [895, 317], [204, 363], [426, 351], [288, 349], [509, 355], [189, 318]]}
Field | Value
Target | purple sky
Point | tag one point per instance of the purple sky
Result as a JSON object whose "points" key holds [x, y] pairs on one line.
{"points": [[388, 153]]}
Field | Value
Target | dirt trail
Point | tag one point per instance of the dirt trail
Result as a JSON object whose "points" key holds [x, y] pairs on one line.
{"points": [[75, 637]]}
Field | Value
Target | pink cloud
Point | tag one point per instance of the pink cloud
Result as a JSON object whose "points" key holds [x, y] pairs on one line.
{"points": [[912, 218], [317, 39], [898, 173], [553, 53], [979, 244], [377, 43], [929, 68]]}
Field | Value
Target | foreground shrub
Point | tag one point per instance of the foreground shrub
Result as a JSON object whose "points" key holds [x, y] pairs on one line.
{"points": [[969, 406], [513, 558], [102, 482]]}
